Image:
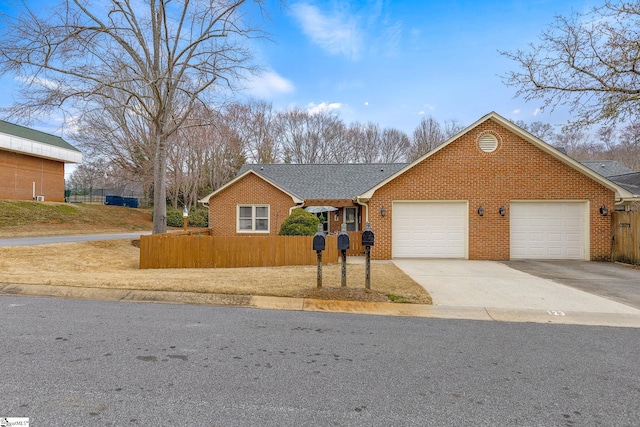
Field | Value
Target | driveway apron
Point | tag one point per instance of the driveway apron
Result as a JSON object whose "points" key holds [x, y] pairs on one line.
{"points": [[491, 284]]}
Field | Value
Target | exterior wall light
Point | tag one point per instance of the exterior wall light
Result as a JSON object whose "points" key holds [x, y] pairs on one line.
{"points": [[481, 211], [185, 217], [502, 211], [383, 211], [604, 211]]}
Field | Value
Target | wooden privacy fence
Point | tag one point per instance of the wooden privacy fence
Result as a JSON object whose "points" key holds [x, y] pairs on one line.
{"points": [[180, 250], [626, 237]]}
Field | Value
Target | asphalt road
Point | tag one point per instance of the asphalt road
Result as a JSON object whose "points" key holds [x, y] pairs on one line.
{"points": [[44, 240], [89, 363]]}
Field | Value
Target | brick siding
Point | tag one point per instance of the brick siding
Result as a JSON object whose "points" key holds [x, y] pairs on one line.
{"points": [[18, 172], [516, 170], [250, 190]]}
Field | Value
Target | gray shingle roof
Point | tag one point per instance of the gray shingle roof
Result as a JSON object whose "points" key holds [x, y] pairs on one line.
{"points": [[608, 168], [628, 181], [325, 181]]}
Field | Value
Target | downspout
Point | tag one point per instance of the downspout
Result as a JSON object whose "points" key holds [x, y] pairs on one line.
{"points": [[357, 200]]}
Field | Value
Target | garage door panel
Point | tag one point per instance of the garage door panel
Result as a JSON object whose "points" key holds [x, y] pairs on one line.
{"points": [[548, 230], [429, 229]]}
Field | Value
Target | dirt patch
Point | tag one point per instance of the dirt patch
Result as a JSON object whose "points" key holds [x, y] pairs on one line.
{"points": [[345, 294]]}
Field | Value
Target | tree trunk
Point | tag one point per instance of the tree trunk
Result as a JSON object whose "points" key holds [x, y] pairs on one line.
{"points": [[160, 185]]}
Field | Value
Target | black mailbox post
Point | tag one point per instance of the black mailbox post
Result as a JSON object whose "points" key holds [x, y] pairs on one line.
{"points": [[343, 241], [367, 242], [319, 242], [343, 245], [367, 236]]}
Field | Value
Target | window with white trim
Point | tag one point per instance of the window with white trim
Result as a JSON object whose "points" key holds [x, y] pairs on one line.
{"points": [[253, 219]]}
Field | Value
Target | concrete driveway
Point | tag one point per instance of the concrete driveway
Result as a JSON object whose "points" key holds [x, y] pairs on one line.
{"points": [[525, 285], [613, 281]]}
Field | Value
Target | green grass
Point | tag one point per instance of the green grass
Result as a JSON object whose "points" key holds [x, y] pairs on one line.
{"points": [[398, 298]]}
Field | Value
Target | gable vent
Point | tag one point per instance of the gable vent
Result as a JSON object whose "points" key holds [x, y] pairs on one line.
{"points": [[488, 143]]}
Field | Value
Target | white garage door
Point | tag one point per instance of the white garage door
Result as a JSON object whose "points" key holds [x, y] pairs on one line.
{"points": [[548, 230], [429, 230]]}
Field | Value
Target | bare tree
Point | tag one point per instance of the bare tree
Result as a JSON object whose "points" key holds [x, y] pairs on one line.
{"points": [[587, 61], [541, 130], [120, 137], [621, 144], [427, 136], [162, 57], [394, 147], [204, 158], [577, 143], [365, 141], [255, 125], [451, 128], [293, 136], [88, 176]]}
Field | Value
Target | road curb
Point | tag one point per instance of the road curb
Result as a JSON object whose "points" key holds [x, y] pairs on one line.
{"points": [[328, 306]]}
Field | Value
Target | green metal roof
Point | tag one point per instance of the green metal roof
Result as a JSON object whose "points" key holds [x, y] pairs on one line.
{"points": [[35, 135]]}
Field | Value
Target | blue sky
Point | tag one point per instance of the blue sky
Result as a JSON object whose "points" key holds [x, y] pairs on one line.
{"points": [[393, 62]]}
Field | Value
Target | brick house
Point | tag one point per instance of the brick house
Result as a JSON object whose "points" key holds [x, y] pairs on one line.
{"points": [[262, 196], [32, 163], [492, 192]]}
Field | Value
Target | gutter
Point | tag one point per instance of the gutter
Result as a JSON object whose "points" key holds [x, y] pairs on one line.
{"points": [[299, 205]]}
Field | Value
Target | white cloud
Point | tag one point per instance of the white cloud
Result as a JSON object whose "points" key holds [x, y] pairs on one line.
{"points": [[366, 103], [536, 112], [313, 108], [338, 33], [269, 84], [516, 111]]}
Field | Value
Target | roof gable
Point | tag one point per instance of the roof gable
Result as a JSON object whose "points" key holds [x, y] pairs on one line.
{"points": [[205, 200], [621, 193]]}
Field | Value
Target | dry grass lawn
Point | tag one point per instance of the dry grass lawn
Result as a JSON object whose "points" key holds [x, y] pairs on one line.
{"points": [[26, 218], [114, 264]]}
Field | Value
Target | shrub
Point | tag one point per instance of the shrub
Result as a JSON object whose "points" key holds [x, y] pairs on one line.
{"points": [[299, 223], [197, 218]]}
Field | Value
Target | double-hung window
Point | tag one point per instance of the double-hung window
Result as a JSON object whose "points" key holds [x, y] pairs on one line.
{"points": [[253, 219]]}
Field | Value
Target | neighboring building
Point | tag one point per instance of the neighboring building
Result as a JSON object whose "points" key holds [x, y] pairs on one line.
{"points": [[492, 192], [628, 181], [32, 163], [607, 168]]}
